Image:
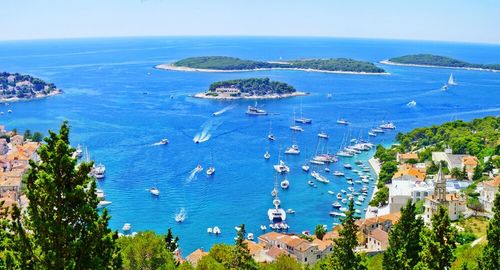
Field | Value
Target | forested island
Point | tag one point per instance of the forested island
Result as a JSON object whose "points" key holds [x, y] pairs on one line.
{"points": [[15, 86], [253, 88], [429, 60], [233, 64]]}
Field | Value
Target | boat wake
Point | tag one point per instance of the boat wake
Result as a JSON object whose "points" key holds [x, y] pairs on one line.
{"points": [[230, 107], [193, 173], [206, 132]]}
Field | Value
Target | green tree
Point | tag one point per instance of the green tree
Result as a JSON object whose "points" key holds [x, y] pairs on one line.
{"points": [[491, 252], [404, 240], [283, 262], [320, 231], [37, 136], [343, 256], [437, 243], [241, 258], [27, 134], [62, 228], [145, 250], [171, 242]]}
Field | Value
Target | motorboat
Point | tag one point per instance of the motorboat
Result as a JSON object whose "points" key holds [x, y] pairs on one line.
{"points": [[210, 170], [267, 155], [358, 203], [343, 191], [254, 110], [303, 120], [342, 121], [271, 137], [350, 182], [377, 130], [444, 87], [163, 142], [337, 214], [323, 135], [250, 236], [372, 134], [126, 227], [154, 191], [337, 173], [343, 153], [9, 111], [78, 152], [99, 171], [343, 209], [336, 205], [305, 168], [296, 128], [103, 204], [216, 230], [263, 227], [198, 168], [319, 177], [209, 230], [387, 125], [281, 167], [344, 201], [311, 183], [411, 104], [181, 216], [292, 150], [285, 184], [331, 192], [290, 211], [348, 166], [358, 162], [339, 196], [317, 162], [274, 192], [327, 169]]}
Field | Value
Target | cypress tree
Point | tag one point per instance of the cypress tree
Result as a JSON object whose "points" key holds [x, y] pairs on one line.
{"points": [[63, 228], [491, 252], [241, 258], [171, 242], [404, 240], [438, 243]]}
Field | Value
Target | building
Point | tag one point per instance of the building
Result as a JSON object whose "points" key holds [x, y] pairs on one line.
{"points": [[384, 222], [405, 157], [454, 202], [487, 192], [196, 256], [378, 240], [408, 169], [469, 163], [407, 187], [16, 140], [227, 90]]}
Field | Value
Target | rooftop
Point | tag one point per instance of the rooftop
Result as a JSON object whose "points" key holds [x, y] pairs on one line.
{"points": [[379, 235]]}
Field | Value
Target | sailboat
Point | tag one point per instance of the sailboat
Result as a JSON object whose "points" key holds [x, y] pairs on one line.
{"points": [[451, 81], [270, 135], [302, 119], [211, 168]]}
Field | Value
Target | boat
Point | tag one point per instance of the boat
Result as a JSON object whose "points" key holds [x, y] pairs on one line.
{"points": [[328, 96], [276, 215], [348, 166], [210, 170], [254, 110], [290, 211], [377, 130], [126, 227], [250, 236], [444, 87], [154, 191], [336, 205], [163, 142], [319, 177], [99, 171], [292, 150], [311, 183], [281, 167], [103, 204], [358, 162], [344, 201], [451, 81], [339, 196], [274, 192], [302, 119], [327, 169], [216, 230], [358, 203], [411, 104], [181, 216], [342, 121], [372, 134], [350, 182], [305, 168], [343, 191], [267, 155], [337, 173], [285, 184], [209, 230], [387, 125], [270, 135], [337, 214], [323, 135], [296, 128], [9, 111], [263, 227], [78, 152], [343, 209], [344, 153], [198, 168], [331, 192]]}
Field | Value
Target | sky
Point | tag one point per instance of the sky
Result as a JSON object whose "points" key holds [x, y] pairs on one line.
{"points": [[444, 20]]}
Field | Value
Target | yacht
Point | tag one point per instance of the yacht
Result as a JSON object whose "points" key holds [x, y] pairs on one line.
{"points": [[281, 167], [99, 171], [319, 177], [303, 120], [250, 236], [163, 142], [337, 214], [387, 125], [290, 211], [344, 153], [327, 169], [271, 137], [154, 191], [342, 121], [444, 87], [267, 155], [253, 110], [210, 170], [216, 230], [336, 205], [181, 216], [292, 150], [348, 166], [305, 168], [296, 128], [337, 173], [339, 196], [372, 134], [331, 192], [103, 204], [78, 152], [126, 227], [411, 104], [323, 135], [276, 215], [343, 191], [358, 162], [285, 184], [377, 130]]}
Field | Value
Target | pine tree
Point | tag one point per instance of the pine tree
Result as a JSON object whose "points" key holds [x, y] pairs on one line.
{"points": [[171, 242], [343, 256], [62, 229], [241, 258], [404, 240], [438, 243], [491, 252]]}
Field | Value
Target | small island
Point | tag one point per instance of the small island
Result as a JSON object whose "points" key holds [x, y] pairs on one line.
{"points": [[15, 87], [429, 60], [233, 64], [253, 88]]}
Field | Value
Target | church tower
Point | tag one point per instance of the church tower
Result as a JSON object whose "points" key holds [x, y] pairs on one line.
{"points": [[440, 187]]}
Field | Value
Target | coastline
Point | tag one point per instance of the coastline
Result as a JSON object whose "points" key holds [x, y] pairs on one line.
{"points": [[188, 69], [375, 164], [387, 62], [16, 99], [274, 96]]}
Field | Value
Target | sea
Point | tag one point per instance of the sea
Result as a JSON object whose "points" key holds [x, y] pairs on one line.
{"points": [[119, 107]]}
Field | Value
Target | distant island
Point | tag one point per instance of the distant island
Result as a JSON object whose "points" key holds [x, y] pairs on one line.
{"points": [[15, 86], [233, 64], [253, 88], [429, 60]]}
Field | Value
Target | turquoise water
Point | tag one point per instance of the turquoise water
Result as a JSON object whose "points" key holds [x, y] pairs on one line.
{"points": [[104, 81]]}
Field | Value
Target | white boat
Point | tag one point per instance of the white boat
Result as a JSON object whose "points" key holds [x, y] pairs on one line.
{"points": [[281, 167], [210, 170], [209, 230], [444, 87], [285, 184], [305, 168], [323, 135], [263, 227], [348, 166], [103, 204], [274, 192], [344, 153], [337, 214], [344, 201], [276, 214], [290, 211], [337, 173], [99, 171], [327, 169], [331, 192], [9, 111], [387, 125], [343, 191], [358, 203], [126, 227], [154, 191], [292, 150], [267, 155], [411, 104], [163, 142], [451, 81], [311, 183], [372, 134], [319, 177], [250, 236], [181, 216], [78, 152], [254, 110], [339, 196], [296, 128], [271, 137], [342, 121], [303, 120], [336, 205], [216, 230], [377, 130]]}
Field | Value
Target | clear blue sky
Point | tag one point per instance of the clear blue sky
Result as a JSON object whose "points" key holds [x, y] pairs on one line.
{"points": [[457, 20]]}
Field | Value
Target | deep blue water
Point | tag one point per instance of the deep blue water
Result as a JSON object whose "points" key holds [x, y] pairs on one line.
{"points": [[104, 81]]}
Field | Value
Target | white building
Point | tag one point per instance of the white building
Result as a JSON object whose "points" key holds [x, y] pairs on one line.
{"points": [[407, 187], [487, 192]]}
